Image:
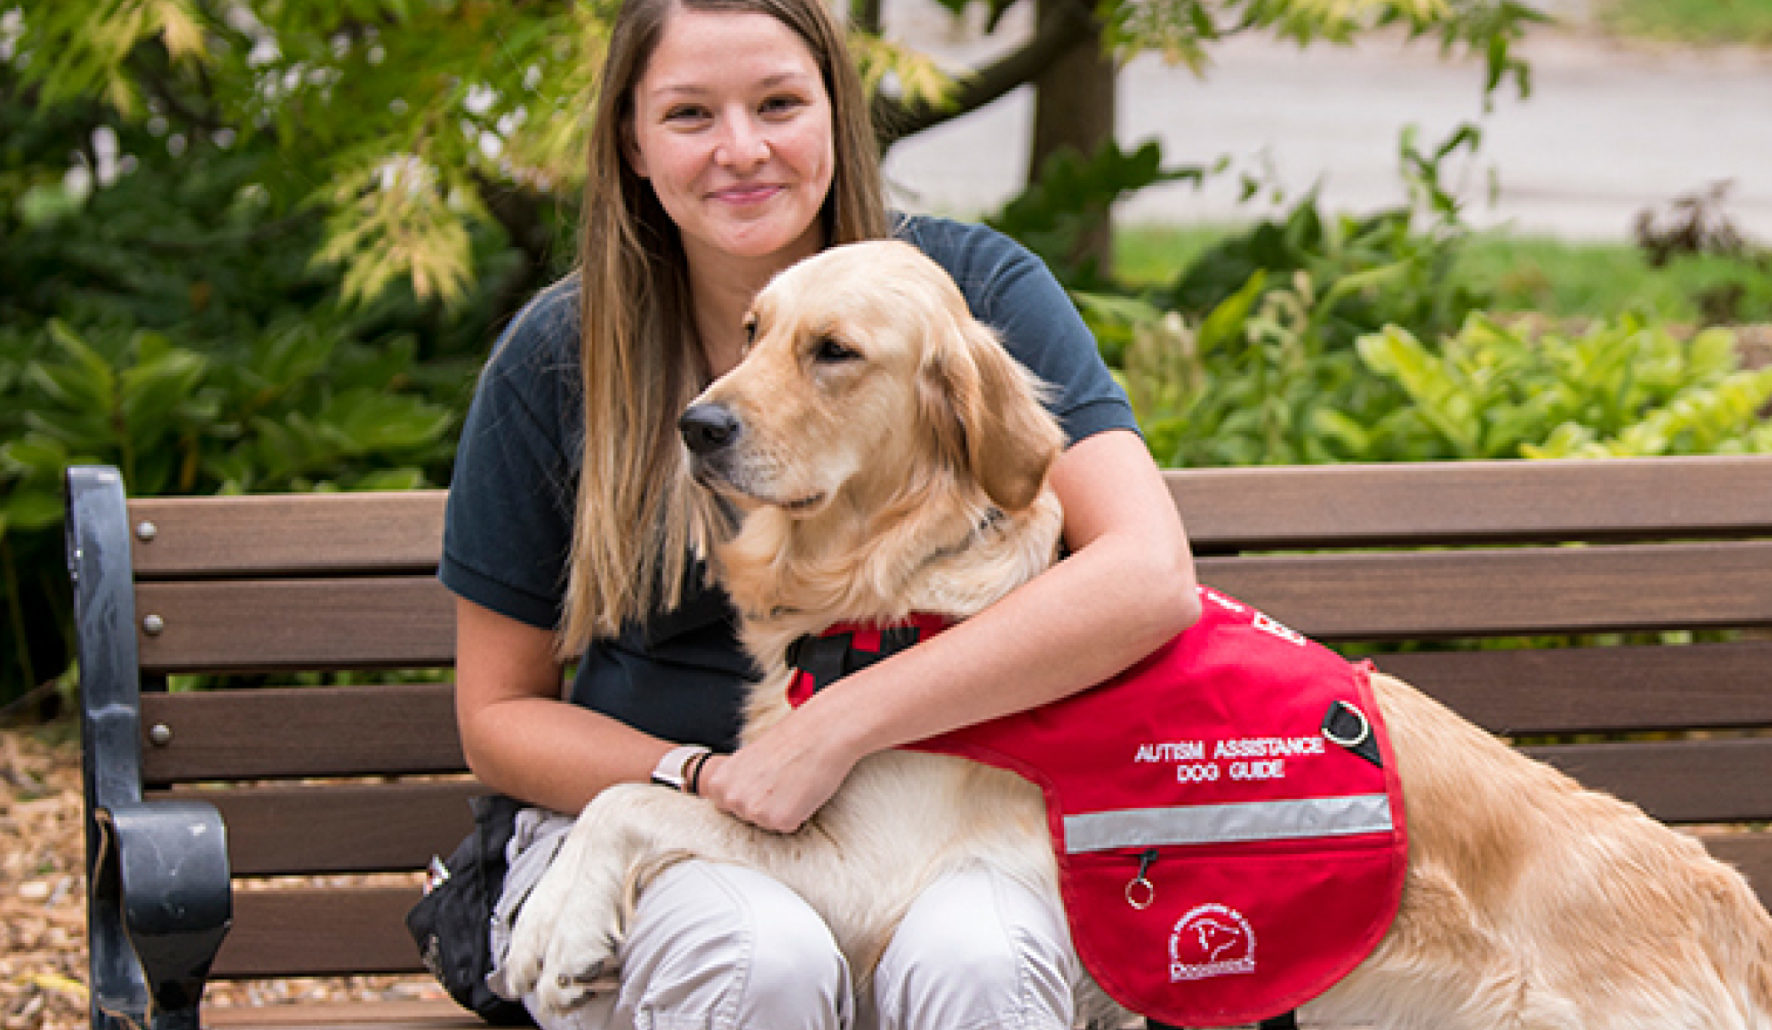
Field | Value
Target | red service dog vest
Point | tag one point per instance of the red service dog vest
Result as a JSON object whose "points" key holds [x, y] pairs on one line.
{"points": [[1226, 814]]}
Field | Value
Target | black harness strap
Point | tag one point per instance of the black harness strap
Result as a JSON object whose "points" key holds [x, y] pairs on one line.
{"points": [[828, 659]]}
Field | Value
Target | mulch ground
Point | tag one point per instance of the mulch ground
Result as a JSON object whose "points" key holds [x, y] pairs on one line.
{"points": [[43, 900]]}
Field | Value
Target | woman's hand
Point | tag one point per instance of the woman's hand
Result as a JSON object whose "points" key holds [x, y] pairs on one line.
{"points": [[777, 781]]}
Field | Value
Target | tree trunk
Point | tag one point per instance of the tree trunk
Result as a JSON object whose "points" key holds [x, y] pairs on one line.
{"points": [[1074, 108], [865, 15]]}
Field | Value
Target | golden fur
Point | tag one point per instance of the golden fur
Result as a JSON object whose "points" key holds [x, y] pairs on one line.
{"points": [[879, 429]]}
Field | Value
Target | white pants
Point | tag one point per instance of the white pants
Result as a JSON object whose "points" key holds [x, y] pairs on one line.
{"points": [[720, 947]]}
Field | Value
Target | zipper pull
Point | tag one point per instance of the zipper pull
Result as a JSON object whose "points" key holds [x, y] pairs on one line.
{"points": [[1140, 892]]}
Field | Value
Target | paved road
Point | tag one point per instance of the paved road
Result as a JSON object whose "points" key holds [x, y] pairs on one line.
{"points": [[1606, 132]]}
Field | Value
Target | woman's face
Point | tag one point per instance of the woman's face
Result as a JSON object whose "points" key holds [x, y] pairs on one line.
{"points": [[732, 126]]}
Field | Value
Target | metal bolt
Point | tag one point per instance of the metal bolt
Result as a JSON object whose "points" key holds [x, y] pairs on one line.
{"points": [[146, 531], [160, 734], [153, 625]]}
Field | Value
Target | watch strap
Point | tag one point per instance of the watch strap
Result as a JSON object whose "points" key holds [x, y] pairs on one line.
{"points": [[677, 765]]}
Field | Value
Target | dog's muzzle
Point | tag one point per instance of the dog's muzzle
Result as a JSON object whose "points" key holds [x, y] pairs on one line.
{"points": [[708, 429]]}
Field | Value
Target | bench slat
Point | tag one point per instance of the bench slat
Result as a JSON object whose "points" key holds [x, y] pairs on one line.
{"points": [[1677, 781], [392, 729], [319, 931], [1530, 591], [1400, 504], [408, 622], [1236, 508], [268, 625], [288, 534], [381, 1015], [340, 828], [1598, 689], [348, 731], [334, 930]]}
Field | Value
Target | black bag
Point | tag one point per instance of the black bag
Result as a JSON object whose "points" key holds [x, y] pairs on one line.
{"points": [[452, 923]]}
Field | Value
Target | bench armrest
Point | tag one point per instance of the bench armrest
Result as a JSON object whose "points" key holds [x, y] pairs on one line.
{"points": [[158, 901], [161, 904]]}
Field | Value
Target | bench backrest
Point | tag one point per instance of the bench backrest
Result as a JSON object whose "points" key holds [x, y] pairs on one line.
{"points": [[369, 779]]}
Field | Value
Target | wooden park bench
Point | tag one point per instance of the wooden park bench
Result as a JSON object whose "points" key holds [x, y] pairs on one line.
{"points": [[309, 782]]}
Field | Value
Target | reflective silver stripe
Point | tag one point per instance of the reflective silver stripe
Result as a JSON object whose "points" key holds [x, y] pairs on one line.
{"points": [[1218, 824]]}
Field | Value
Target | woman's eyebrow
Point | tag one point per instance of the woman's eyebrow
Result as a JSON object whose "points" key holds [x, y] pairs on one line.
{"points": [[697, 88]]}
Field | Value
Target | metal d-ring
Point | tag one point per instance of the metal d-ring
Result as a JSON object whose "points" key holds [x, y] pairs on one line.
{"points": [[1140, 891], [1357, 739]]}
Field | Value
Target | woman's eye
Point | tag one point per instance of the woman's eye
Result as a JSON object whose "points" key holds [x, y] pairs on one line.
{"points": [[781, 105], [685, 113], [829, 351]]}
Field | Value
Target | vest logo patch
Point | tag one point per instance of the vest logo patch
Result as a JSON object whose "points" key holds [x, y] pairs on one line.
{"points": [[1211, 940]]}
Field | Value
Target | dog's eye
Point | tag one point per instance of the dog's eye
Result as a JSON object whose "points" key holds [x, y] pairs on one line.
{"points": [[750, 331], [830, 351]]}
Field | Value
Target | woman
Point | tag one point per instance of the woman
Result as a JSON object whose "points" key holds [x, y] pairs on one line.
{"points": [[731, 138]]}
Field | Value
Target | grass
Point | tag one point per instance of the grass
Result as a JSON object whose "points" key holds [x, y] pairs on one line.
{"points": [[1564, 279], [1552, 277], [1690, 21], [1146, 255]]}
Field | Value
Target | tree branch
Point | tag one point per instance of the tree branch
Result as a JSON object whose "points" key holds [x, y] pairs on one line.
{"points": [[1058, 31]]}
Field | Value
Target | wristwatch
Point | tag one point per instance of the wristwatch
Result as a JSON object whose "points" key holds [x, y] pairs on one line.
{"points": [[680, 767]]}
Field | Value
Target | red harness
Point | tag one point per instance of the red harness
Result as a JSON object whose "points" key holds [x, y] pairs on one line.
{"points": [[1226, 814]]}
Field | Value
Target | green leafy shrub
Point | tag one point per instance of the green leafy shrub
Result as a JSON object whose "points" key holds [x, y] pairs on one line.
{"points": [[1255, 383], [1262, 378], [1619, 389], [1392, 266], [1072, 195]]}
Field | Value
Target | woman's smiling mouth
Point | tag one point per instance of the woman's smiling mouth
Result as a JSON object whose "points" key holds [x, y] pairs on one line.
{"points": [[750, 193]]}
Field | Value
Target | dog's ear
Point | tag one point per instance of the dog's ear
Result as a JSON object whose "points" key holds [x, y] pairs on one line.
{"points": [[986, 414]]}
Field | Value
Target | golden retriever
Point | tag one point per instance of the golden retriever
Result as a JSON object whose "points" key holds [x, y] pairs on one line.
{"points": [[866, 438]]}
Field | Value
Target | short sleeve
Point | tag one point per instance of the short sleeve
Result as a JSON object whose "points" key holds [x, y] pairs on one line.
{"points": [[1011, 290], [507, 530]]}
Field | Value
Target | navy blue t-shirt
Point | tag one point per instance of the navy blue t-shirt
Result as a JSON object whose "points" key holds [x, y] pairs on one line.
{"points": [[681, 674]]}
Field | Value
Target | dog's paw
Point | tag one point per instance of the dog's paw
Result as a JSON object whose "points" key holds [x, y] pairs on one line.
{"points": [[567, 937], [559, 965], [566, 986]]}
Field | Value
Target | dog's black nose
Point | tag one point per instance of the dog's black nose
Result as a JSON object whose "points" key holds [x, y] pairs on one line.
{"points": [[707, 428]]}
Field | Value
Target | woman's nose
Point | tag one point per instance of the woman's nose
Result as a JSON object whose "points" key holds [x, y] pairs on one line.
{"points": [[744, 144]]}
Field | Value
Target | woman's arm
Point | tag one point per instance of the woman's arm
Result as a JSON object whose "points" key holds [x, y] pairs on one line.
{"points": [[520, 738], [1127, 587]]}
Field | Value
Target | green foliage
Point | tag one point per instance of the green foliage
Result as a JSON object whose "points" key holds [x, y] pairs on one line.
{"points": [[1073, 194], [1254, 383], [404, 126], [381, 112], [1181, 30], [1379, 268], [1259, 379], [1619, 389], [1299, 340]]}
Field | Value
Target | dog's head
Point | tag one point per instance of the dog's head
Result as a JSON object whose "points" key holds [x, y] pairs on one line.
{"points": [[866, 371]]}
